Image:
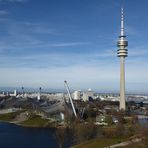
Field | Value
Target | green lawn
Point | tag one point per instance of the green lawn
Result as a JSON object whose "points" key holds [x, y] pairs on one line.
{"points": [[36, 121], [98, 143], [9, 116]]}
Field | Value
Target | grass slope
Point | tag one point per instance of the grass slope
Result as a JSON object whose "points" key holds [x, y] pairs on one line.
{"points": [[36, 121], [98, 143], [9, 116]]}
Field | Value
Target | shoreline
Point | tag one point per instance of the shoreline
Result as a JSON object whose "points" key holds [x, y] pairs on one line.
{"points": [[20, 118], [27, 126], [32, 121]]}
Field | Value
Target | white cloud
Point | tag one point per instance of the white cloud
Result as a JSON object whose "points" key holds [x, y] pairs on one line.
{"points": [[81, 70], [131, 31], [96, 69], [97, 75], [39, 28], [54, 77], [138, 51], [51, 59], [3, 12], [13, 1], [17, 0], [26, 35]]}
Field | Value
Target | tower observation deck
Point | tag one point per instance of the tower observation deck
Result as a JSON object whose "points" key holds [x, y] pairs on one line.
{"points": [[122, 42]]}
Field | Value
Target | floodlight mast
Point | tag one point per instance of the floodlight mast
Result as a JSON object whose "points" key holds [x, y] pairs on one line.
{"points": [[67, 88]]}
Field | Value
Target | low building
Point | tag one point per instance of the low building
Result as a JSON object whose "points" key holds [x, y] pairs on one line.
{"points": [[77, 95], [101, 120], [88, 95]]}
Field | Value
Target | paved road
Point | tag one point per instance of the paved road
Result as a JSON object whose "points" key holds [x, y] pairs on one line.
{"points": [[124, 143]]}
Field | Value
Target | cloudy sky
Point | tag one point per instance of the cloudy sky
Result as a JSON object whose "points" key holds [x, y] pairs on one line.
{"points": [[44, 42]]}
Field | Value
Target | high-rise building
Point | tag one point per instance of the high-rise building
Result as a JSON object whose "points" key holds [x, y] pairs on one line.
{"points": [[122, 52]]}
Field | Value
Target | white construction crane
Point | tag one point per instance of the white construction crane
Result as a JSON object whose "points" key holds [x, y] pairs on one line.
{"points": [[74, 111]]}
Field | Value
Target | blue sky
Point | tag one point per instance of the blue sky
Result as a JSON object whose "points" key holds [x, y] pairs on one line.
{"points": [[44, 42]]}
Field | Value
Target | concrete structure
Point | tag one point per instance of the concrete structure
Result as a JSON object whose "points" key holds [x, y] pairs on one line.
{"points": [[39, 97], [14, 94], [77, 95], [122, 53], [69, 94], [39, 94], [88, 95]]}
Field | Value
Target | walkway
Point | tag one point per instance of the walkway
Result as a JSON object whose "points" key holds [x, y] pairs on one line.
{"points": [[124, 143]]}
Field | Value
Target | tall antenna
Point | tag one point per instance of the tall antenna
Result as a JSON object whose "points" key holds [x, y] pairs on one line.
{"points": [[122, 22], [23, 91], [122, 52], [122, 19]]}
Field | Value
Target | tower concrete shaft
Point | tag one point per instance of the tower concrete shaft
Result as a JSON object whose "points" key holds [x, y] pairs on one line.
{"points": [[122, 83], [122, 53]]}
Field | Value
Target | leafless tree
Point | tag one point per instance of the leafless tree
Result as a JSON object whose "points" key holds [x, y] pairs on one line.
{"points": [[60, 136]]}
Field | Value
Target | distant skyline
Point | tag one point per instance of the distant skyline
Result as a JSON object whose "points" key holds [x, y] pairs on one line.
{"points": [[44, 42]]}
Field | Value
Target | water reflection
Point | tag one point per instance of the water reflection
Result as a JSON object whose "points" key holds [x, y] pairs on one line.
{"points": [[15, 136]]}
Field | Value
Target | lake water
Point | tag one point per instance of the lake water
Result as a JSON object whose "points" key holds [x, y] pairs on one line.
{"points": [[12, 136]]}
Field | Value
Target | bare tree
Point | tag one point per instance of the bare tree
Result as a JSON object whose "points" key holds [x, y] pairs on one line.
{"points": [[60, 136]]}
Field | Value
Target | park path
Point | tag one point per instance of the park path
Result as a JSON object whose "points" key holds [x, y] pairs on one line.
{"points": [[124, 143]]}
